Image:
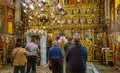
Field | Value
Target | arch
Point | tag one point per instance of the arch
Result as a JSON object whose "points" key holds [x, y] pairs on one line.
{"points": [[40, 37]]}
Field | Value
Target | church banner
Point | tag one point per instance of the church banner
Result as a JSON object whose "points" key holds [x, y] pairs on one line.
{"points": [[10, 28]]}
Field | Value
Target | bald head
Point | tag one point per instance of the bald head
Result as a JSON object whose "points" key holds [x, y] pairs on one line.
{"points": [[54, 43]]}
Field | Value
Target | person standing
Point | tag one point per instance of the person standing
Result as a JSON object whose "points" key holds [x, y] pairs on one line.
{"points": [[24, 44], [19, 58], [33, 49], [67, 45], [76, 58], [56, 58]]}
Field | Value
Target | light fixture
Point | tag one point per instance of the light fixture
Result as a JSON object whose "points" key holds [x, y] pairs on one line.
{"points": [[47, 10], [31, 6]]}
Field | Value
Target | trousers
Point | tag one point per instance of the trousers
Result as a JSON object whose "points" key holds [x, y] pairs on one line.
{"points": [[78, 72], [57, 66], [17, 68], [31, 64]]}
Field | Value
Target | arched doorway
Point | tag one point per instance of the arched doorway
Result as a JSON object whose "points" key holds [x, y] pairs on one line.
{"points": [[40, 37]]}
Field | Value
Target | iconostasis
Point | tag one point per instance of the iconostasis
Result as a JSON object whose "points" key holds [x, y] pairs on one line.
{"points": [[84, 17]]}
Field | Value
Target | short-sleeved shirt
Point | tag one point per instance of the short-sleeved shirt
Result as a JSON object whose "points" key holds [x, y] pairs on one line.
{"points": [[32, 48]]}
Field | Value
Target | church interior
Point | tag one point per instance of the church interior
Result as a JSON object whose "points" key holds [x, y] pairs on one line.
{"points": [[95, 22]]}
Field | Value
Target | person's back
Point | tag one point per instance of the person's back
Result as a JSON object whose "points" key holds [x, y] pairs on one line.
{"points": [[19, 57], [56, 57], [66, 47], [54, 52], [32, 48], [76, 58], [68, 44]]}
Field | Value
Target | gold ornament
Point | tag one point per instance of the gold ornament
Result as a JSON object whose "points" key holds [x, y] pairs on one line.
{"points": [[118, 38]]}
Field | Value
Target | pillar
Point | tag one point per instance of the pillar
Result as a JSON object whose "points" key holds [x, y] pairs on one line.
{"points": [[107, 13], [43, 42], [18, 22], [18, 11]]}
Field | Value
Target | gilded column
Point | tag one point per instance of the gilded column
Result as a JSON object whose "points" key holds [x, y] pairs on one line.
{"points": [[18, 21], [107, 12], [18, 11]]}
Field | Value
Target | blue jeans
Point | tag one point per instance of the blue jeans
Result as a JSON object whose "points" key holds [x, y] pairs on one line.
{"points": [[17, 68]]}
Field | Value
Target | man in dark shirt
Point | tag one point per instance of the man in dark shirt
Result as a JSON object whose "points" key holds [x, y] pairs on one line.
{"points": [[76, 58], [66, 47], [68, 44], [56, 57]]}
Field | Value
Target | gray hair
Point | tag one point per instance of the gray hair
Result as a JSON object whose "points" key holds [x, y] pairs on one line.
{"points": [[54, 43]]}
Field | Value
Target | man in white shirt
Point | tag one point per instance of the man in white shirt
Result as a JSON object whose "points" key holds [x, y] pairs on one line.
{"points": [[33, 49]]}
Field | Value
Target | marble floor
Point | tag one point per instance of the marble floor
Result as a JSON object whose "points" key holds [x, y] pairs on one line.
{"points": [[105, 69], [91, 68]]}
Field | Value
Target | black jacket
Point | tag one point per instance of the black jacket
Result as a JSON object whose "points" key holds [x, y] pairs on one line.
{"points": [[76, 58], [67, 45]]}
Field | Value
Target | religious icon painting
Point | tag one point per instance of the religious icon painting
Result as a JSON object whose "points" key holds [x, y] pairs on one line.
{"points": [[88, 35], [69, 21], [75, 11], [95, 10], [96, 20], [89, 20], [99, 36], [78, 1], [82, 20], [69, 11], [89, 10], [83, 10], [76, 20], [76, 35]]}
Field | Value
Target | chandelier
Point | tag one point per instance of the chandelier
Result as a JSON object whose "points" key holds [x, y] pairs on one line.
{"points": [[42, 11]]}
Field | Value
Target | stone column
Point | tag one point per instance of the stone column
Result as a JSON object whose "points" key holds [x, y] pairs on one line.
{"points": [[43, 48]]}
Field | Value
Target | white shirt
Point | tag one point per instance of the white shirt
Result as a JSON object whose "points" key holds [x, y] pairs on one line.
{"points": [[32, 48]]}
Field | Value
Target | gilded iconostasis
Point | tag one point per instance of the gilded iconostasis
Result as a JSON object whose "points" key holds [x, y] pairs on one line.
{"points": [[69, 18]]}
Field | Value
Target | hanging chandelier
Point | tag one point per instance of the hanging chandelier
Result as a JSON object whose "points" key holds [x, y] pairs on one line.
{"points": [[42, 10]]}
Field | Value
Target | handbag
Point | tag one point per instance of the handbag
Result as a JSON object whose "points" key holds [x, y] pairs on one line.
{"points": [[50, 66], [14, 57]]}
